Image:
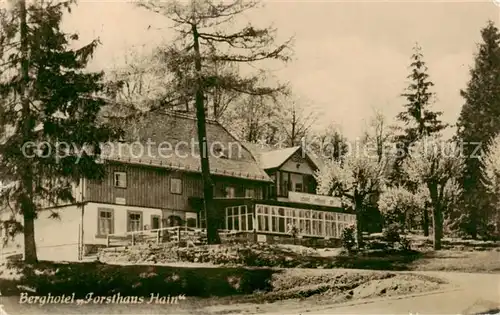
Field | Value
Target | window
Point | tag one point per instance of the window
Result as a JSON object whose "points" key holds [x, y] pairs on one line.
{"points": [[174, 220], [230, 192], [262, 218], [134, 221], [308, 222], [120, 179], [271, 219], [298, 187], [249, 193], [239, 219], [105, 222], [176, 186], [191, 219], [284, 188], [155, 222]]}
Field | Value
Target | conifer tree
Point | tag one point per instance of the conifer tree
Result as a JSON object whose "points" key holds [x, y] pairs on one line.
{"points": [[478, 123], [419, 119], [49, 130]]}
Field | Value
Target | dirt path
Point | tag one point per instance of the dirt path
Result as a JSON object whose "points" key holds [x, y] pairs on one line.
{"points": [[468, 294]]}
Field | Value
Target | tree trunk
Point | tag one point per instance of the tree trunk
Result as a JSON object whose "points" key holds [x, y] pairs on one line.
{"points": [[359, 232], [425, 221], [473, 218], [292, 138], [438, 227], [27, 204], [208, 190], [358, 205], [30, 255], [437, 215]]}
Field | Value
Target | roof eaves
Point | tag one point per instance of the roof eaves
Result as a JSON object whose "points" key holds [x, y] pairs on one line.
{"points": [[263, 178], [288, 158]]}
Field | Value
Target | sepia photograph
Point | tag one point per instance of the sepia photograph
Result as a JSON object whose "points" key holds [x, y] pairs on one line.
{"points": [[249, 157]]}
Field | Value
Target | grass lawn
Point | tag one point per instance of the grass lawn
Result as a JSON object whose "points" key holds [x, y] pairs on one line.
{"points": [[461, 261]]}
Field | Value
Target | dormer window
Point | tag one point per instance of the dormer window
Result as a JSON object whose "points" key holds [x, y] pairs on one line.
{"points": [[176, 186], [230, 192], [120, 179], [249, 193]]}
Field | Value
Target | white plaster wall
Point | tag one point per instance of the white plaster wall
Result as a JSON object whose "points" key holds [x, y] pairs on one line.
{"points": [[291, 166], [58, 239], [119, 217]]}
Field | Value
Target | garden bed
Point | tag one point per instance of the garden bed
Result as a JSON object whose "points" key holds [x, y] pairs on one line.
{"points": [[379, 257], [262, 255]]}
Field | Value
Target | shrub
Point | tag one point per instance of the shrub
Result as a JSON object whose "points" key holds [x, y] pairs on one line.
{"points": [[376, 244], [391, 234], [405, 243], [348, 238]]}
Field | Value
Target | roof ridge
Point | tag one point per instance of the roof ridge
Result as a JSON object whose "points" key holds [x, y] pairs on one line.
{"points": [[186, 115], [244, 145], [282, 149]]}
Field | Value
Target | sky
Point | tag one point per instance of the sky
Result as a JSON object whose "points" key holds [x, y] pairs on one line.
{"points": [[350, 57]]}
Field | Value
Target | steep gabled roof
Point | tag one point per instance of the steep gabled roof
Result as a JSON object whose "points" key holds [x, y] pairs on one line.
{"points": [[171, 140], [276, 158], [270, 158], [256, 149]]}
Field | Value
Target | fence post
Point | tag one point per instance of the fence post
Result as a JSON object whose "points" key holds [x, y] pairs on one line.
{"points": [[158, 236], [179, 234], [133, 239], [107, 240]]}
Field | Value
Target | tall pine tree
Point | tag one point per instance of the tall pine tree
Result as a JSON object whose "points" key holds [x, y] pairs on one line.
{"points": [[47, 99], [418, 118], [208, 37], [478, 122]]}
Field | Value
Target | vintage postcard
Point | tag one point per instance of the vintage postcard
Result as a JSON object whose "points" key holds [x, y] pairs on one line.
{"points": [[249, 157]]}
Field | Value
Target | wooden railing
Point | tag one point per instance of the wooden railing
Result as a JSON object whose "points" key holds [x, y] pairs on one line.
{"points": [[187, 235], [156, 236], [232, 236]]}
